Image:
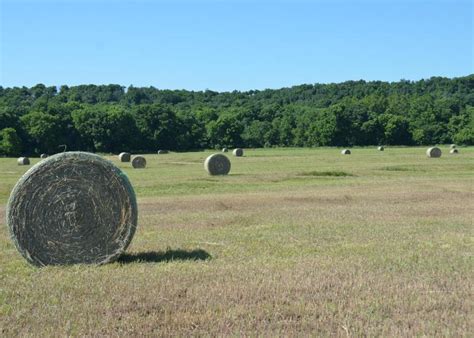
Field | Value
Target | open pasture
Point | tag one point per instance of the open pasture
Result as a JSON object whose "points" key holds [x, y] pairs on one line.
{"points": [[292, 241]]}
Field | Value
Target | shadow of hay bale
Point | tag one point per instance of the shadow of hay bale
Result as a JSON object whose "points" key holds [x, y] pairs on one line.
{"points": [[164, 256]]}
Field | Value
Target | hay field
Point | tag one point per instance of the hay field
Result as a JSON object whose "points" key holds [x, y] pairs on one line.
{"points": [[292, 241]]}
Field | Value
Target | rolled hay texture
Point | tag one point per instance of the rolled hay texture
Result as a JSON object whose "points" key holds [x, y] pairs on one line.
{"points": [[224, 150], [23, 161], [452, 146], [345, 152], [238, 152], [124, 157], [454, 151], [381, 148], [138, 162], [433, 152], [217, 164], [43, 155], [71, 208], [161, 152]]}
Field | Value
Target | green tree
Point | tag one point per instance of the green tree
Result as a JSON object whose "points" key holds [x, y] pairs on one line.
{"points": [[396, 130], [158, 125], [461, 127], [10, 143], [43, 129], [254, 134], [324, 128], [107, 128], [225, 131], [191, 131], [109, 118]]}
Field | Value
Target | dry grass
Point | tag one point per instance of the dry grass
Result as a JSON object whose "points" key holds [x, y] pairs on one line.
{"points": [[267, 251]]}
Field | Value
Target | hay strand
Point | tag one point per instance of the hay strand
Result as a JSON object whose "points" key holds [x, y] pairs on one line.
{"points": [[345, 152], [23, 161], [217, 164], [73, 207], [238, 152], [138, 162], [433, 152], [124, 157]]}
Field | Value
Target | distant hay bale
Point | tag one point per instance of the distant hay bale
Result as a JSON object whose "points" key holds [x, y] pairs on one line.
{"points": [[138, 162], [452, 146], [238, 152], [345, 152], [23, 161], [454, 151], [433, 152], [380, 148], [124, 157], [217, 164], [161, 152], [224, 150], [72, 208], [43, 155]]}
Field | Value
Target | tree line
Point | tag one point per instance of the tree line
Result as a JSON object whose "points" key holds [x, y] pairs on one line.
{"points": [[113, 118]]}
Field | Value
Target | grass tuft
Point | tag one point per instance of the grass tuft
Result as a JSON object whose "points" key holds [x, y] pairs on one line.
{"points": [[326, 173], [400, 168]]}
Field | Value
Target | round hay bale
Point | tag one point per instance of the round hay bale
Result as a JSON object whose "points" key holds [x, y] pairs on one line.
{"points": [[43, 155], [433, 152], [138, 162], [380, 148], [452, 146], [217, 164], [238, 152], [73, 207], [124, 157], [345, 152], [224, 150], [454, 151], [161, 152], [23, 161]]}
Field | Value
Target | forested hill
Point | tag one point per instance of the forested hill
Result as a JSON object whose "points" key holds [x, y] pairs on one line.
{"points": [[112, 118]]}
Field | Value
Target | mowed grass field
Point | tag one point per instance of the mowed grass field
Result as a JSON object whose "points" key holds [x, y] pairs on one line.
{"points": [[292, 242]]}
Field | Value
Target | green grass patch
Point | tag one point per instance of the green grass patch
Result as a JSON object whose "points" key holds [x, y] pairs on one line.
{"points": [[326, 173], [401, 168]]}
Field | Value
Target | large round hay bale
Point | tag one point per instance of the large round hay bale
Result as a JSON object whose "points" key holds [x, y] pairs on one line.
{"points": [[124, 157], [73, 207], [23, 161], [433, 152], [238, 152], [454, 151], [138, 162], [380, 148], [345, 152], [452, 146], [217, 164], [224, 150], [162, 152], [43, 155]]}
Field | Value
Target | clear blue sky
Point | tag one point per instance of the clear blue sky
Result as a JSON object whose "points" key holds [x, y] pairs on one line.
{"points": [[227, 45]]}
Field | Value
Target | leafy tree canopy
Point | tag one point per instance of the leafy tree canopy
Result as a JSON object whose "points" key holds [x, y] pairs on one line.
{"points": [[113, 118]]}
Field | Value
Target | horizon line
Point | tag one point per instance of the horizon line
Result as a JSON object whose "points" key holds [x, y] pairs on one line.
{"points": [[239, 90]]}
